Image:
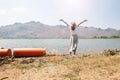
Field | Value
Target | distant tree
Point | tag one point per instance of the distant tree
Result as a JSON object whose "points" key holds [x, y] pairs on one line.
{"points": [[115, 37], [95, 37], [104, 37]]}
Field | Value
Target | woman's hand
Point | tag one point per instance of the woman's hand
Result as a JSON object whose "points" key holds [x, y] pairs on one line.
{"points": [[82, 22], [61, 20], [85, 20], [64, 22]]}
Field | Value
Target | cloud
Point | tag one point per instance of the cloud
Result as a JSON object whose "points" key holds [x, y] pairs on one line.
{"points": [[3, 12], [19, 10]]}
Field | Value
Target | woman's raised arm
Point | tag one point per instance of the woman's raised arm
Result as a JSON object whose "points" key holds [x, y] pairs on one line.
{"points": [[82, 22], [64, 22]]}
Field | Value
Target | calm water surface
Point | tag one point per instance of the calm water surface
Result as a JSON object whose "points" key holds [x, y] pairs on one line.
{"points": [[61, 45]]}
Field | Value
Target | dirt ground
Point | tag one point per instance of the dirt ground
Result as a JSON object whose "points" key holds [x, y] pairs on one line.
{"points": [[64, 67]]}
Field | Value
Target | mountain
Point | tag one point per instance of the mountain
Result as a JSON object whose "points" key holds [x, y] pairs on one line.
{"points": [[34, 29]]}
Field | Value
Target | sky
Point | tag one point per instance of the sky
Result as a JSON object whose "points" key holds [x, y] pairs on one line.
{"points": [[99, 13]]}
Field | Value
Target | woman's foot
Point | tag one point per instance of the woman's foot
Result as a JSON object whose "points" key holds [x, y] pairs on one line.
{"points": [[70, 52], [74, 51]]}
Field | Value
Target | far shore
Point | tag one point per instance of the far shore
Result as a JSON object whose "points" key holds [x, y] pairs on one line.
{"points": [[59, 38]]}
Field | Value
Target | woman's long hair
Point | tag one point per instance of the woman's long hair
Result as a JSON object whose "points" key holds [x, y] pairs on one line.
{"points": [[73, 26]]}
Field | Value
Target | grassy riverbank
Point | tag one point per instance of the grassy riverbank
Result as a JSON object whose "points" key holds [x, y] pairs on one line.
{"points": [[62, 67]]}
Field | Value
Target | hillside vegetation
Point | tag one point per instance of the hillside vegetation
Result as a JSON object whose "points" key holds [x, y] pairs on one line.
{"points": [[39, 30]]}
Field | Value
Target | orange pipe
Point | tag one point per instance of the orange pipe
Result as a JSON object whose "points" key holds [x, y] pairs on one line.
{"points": [[5, 52], [29, 52]]}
